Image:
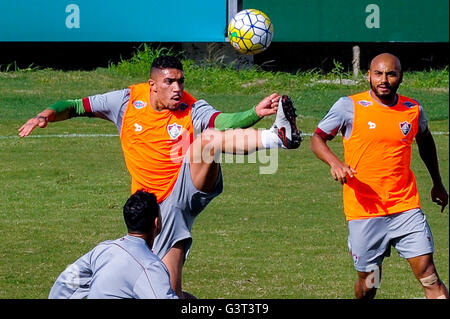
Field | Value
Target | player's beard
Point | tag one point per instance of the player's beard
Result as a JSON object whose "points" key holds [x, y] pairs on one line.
{"points": [[385, 96]]}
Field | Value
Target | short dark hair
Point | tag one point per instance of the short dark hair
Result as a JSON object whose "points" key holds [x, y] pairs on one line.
{"points": [[140, 212], [167, 62]]}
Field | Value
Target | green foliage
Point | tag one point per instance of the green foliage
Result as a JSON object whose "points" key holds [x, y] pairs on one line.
{"points": [[139, 63], [13, 67], [338, 70], [213, 75], [431, 79]]}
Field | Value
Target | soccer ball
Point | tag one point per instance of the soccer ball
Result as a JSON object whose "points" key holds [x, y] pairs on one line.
{"points": [[250, 31]]}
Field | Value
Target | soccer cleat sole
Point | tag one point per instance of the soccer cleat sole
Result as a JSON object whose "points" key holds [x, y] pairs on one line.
{"points": [[291, 115]]}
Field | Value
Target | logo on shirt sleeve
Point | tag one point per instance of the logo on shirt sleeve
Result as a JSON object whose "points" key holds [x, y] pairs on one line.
{"points": [[365, 103], [138, 104], [405, 127]]}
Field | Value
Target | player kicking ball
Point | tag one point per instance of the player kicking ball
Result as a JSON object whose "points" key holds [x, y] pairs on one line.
{"points": [[171, 141]]}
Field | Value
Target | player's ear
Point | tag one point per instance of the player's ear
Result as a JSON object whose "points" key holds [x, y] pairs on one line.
{"points": [[157, 226], [152, 83], [368, 76]]}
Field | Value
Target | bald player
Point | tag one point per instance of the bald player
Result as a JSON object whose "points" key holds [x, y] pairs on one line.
{"points": [[381, 202]]}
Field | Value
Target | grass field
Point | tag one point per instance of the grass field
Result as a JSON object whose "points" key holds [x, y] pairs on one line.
{"points": [[267, 236]]}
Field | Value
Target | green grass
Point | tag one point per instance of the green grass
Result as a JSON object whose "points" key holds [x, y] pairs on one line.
{"points": [[267, 236]]}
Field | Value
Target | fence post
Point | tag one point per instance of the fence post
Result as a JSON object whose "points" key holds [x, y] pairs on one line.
{"points": [[356, 61]]}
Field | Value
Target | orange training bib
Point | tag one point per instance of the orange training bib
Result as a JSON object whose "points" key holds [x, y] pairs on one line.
{"points": [[154, 142], [379, 149]]}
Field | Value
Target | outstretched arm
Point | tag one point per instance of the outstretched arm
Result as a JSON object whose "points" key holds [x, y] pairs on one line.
{"points": [[59, 111], [265, 107], [428, 153], [339, 169]]}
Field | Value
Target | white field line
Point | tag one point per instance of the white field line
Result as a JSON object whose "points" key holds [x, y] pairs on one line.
{"points": [[115, 135], [60, 136]]}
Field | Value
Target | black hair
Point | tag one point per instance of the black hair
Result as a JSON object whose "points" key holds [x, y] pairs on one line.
{"points": [[167, 62], [140, 212]]}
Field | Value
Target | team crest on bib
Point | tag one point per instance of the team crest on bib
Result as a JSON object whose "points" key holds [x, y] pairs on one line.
{"points": [[139, 104], [405, 127], [174, 130]]}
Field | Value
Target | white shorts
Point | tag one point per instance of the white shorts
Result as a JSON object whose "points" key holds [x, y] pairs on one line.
{"points": [[370, 240]]}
